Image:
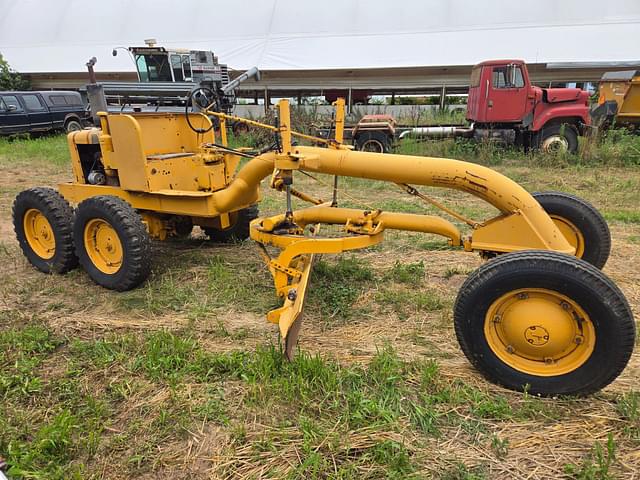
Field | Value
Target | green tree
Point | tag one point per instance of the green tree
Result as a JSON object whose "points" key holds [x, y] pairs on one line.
{"points": [[10, 80]]}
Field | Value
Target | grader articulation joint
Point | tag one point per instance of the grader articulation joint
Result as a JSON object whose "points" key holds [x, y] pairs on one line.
{"points": [[540, 316]]}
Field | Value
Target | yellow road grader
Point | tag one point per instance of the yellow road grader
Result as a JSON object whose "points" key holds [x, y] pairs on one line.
{"points": [[538, 315]]}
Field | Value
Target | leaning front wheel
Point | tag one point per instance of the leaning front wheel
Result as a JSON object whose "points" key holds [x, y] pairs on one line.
{"points": [[581, 224], [546, 322]]}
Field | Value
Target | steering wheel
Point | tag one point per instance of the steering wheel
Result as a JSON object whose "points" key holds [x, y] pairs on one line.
{"points": [[201, 97]]}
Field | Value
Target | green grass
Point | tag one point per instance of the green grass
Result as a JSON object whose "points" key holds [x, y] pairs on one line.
{"points": [[49, 149], [325, 400], [597, 465], [615, 148], [201, 286], [409, 273], [336, 286], [624, 216]]}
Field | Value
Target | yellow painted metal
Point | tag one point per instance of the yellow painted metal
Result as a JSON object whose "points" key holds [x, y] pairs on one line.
{"points": [[573, 235], [539, 332], [103, 245], [137, 137], [157, 227], [176, 202], [189, 173], [290, 270], [509, 233], [489, 185], [339, 120], [39, 234], [284, 127], [354, 217], [626, 93]]}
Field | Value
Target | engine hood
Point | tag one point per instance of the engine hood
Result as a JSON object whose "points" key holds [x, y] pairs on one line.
{"points": [[557, 95]]}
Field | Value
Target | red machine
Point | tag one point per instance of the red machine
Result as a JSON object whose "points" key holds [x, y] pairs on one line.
{"points": [[503, 105]]}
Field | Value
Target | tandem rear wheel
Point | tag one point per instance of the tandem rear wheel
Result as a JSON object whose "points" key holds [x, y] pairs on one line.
{"points": [[112, 243], [544, 322], [43, 222]]}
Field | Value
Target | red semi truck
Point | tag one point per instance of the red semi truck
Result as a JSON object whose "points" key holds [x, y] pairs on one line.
{"points": [[504, 106]]}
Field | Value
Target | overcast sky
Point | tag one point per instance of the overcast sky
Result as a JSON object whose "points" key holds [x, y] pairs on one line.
{"points": [[61, 35]]}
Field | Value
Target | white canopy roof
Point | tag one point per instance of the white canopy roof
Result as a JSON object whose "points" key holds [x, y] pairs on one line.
{"points": [[60, 36]]}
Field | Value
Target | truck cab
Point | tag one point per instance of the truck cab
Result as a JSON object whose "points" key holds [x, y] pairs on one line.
{"points": [[36, 112], [503, 101]]}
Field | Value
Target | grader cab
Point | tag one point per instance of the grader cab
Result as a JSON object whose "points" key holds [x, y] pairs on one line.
{"points": [[538, 315]]}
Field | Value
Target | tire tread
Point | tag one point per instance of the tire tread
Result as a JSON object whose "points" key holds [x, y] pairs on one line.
{"points": [[61, 216]]}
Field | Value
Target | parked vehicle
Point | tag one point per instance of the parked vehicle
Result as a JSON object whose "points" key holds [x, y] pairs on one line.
{"points": [[619, 100], [26, 112], [503, 106]]}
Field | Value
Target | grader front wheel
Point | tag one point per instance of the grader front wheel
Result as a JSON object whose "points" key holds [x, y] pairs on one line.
{"points": [[580, 223], [112, 243], [546, 322]]}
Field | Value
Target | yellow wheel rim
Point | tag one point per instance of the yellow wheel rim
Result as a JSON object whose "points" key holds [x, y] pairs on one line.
{"points": [[539, 332], [39, 234], [571, 233], [103, 245]]}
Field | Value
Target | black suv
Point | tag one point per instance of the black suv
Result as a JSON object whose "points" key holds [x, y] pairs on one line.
{"points": [[22, 112]]}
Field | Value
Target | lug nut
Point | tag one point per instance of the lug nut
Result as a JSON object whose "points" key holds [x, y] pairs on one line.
{"points": [[292, 295], [510, 349], [578, 340], [564, 305], [523, 296]]}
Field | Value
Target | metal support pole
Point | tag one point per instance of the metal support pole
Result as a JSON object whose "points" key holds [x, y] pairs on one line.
{"points": [[349, 100], [334, 198], [443, 97]]}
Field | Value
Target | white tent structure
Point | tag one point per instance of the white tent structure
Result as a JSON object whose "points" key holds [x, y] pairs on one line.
{"points": [[328, 44]]}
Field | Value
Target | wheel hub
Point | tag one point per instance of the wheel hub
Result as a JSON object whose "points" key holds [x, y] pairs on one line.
{"points": [[39, 234], [555, 144], [103, 246], [539, 331], [372, 145], [571, 233]]}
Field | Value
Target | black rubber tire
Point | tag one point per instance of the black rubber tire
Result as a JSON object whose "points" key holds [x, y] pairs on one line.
{"points": [[132, 232], [597, 295], [239, 229], [564, 130], [586, 218], [60, 216], [367, 137], [72, 126]]}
